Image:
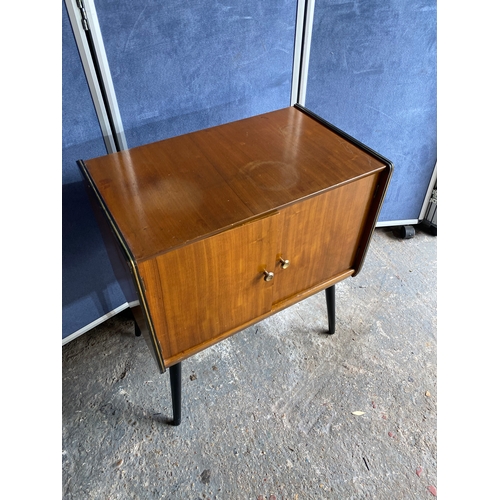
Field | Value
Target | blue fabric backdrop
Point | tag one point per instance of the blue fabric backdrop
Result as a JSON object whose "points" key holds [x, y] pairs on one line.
{"points": [[180, 66], [89, 290], [185, 65], [372, 73]]}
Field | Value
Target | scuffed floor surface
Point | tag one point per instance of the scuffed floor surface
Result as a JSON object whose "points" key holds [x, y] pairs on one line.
{"points": [[268, 414]]}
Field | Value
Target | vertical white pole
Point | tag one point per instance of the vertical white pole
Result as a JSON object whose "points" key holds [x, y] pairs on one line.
{"points": [[95, 29], [303, 35], [96, 92]]}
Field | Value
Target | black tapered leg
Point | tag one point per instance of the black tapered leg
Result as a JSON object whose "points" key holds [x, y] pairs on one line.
{"points": [[137, 330], [176, 388], [330, 306], [130, 315]]}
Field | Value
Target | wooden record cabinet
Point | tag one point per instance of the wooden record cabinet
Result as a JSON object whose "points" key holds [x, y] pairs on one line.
{"points": [[214, 230]]}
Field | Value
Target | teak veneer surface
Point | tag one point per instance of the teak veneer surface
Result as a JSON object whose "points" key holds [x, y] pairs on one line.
{"points": [[200, 291], [179, 190], [204, 215], [320, 236]]}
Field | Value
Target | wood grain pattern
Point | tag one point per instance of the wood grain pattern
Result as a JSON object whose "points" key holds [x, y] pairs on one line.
{"points": [[166, 194], [175, 358], [200, 291], [283, 157], [320, 236]]}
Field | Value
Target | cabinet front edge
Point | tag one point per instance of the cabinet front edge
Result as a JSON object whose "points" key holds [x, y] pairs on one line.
{"points": [[132, 266]]}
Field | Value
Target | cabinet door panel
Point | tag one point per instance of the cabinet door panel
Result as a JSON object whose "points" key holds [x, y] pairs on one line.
{"points": [[199, 292], [320, 236]]}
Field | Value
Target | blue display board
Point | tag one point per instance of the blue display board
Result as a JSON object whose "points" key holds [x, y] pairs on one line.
{"points": [[89, 290], [176, 67], [372, 73], [185, 65]]}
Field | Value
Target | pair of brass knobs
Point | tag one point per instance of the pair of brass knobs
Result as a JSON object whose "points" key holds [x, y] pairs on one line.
{"points": [[269, 275]]}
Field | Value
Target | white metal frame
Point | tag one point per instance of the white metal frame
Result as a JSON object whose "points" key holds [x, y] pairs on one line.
{"points": [[106, 74], [390, 223], [303, 36], [95, 323], [91, 75], [100, 108], [428, 195]]}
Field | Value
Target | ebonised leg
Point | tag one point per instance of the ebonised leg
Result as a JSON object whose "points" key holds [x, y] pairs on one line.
{"points": [[330, 306], [131, 316], [137, 330], [175, 386]]}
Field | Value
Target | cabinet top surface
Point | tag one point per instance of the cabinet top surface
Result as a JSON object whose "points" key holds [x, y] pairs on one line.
{"points": [[165, 194]]}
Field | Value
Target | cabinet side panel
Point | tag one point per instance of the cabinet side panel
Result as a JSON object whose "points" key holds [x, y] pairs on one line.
{"points": [[203, 290], [321, 235], [152, 286], [118, 260]]}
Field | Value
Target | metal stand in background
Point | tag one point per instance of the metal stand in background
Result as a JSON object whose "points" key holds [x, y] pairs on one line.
{"points": [[429, 222], [428, 219]]}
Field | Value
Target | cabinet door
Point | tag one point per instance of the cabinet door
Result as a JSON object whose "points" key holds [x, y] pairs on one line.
{"points": [[208, 289], [320, 236]]}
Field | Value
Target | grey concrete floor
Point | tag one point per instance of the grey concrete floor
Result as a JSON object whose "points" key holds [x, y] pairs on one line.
{"points": [[268, 413]]}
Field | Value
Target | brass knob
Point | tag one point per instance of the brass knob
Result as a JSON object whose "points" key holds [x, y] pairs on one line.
{"points": [[284, 263], [268, 275]]}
